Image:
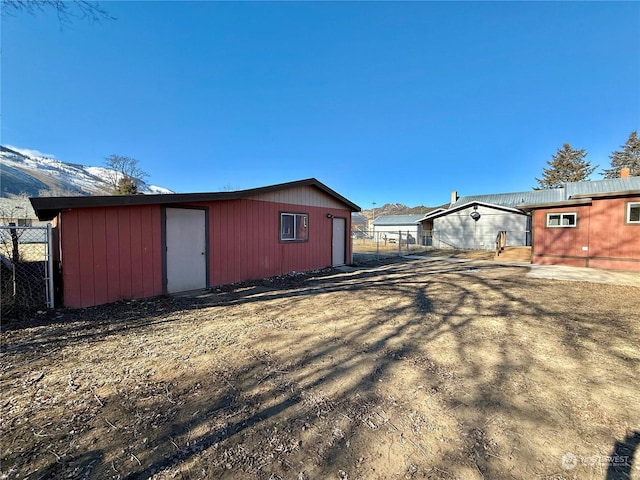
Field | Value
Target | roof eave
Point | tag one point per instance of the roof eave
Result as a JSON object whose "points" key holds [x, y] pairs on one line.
{"points": [[432, 213], [625, 193], [564, 203], [470, 204], [47, 208]]}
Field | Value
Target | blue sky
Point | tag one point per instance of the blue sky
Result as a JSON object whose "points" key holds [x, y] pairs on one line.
{"points": [[385, 102]]}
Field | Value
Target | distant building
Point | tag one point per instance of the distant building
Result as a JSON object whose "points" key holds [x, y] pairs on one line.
{"points": [[18, 210], [591, 223], [394, 228]]}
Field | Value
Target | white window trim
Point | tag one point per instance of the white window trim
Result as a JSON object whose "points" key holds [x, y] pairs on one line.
{"points": [[562, 215], [629, 205]]}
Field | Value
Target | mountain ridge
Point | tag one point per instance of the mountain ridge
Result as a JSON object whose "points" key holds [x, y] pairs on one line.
{"points": [[24, 174], [394, 209]]}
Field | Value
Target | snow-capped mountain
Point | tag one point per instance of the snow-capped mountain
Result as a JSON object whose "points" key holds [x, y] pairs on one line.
{"points": [[24, 173]]}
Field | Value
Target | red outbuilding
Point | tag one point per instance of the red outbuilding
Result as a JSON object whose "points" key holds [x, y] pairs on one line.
{"points": [[135, 246], [600, 230]]}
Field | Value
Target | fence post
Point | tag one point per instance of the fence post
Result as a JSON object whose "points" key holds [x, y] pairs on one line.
{"points": [[28, 256], [50, 292], [399, 243], [15, 253]]}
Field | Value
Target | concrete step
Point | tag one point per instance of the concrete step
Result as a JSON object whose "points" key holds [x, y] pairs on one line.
{"points": [[514, 254]]}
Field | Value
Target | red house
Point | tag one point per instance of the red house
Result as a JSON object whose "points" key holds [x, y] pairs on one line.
{"points": [[600, 230], [135, 246]]}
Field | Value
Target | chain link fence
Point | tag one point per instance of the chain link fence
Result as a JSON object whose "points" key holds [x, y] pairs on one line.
{"points": [[368, 244], [374, 245], [26, 269]]}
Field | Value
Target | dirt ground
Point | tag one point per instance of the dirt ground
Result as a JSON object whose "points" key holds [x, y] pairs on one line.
{"points": [[410, 369], [370, 251]]}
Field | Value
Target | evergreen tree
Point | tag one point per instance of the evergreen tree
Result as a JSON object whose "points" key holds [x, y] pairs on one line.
{"points": [[629, 157], [567, 165], [126, 186]]}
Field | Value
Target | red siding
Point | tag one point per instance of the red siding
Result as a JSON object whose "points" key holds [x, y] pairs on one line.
{"points": [[115, 253], [110, 254], [70, 258], [609, 241], [100, 285], [245, 243], [87, 265]]}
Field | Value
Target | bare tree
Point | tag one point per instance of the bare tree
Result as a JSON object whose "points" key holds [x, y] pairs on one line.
{"points": [[15, 209], [67, 11], [124, 175], [228, 188], [13, 212]]}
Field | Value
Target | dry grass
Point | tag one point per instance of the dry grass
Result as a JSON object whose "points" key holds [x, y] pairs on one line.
{"points": [[29, 252], [457, 253], [368, 247], [408, 370]]}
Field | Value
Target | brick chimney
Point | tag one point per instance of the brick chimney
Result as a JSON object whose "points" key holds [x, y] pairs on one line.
{"points": [[625, 172], [454, 196]]}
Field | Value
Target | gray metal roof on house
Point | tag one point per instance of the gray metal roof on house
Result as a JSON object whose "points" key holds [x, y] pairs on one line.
{"points": [[553, 195], [610, 185], [462, 206], [515, 198], [412, 219]]}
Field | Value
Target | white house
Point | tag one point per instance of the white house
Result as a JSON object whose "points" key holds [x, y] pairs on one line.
{"points": [[473, 222], [398, 227], [475, 225]]}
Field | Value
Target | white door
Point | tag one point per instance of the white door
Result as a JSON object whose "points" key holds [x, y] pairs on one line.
{"points": [[186, 251], [338, 241]]}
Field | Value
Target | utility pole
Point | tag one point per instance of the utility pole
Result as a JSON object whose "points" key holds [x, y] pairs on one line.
{"points": [[374, 217]]}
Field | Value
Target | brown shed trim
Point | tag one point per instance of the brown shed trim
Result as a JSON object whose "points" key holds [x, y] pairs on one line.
{"points": [[47, 208]]}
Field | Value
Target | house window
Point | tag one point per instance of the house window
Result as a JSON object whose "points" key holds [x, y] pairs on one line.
{"points": [[633, 212], [24, 222], [294, 227], [560, 220]]}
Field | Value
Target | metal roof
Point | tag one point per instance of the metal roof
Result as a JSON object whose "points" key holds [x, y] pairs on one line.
{"points": [[462, 206], [398, 219], [553, 195], [48, 207], [610, 185], [515, 198]]}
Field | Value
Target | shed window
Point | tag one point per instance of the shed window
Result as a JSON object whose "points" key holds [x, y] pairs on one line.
{"points": [[294, 227], [560, 220], [633, 212]]}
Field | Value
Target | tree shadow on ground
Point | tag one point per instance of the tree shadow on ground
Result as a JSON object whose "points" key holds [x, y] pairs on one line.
{"points": [[621, 459], [372, 378]]}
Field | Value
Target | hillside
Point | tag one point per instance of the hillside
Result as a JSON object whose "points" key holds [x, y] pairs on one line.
{"points": [[22, 174], [394, 209]]}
